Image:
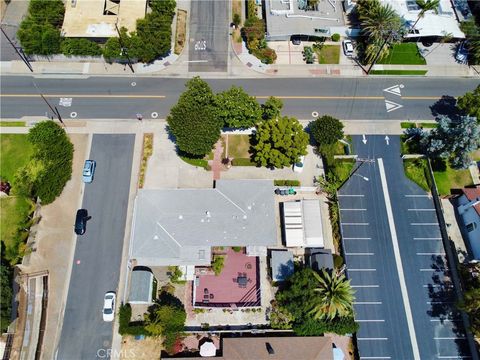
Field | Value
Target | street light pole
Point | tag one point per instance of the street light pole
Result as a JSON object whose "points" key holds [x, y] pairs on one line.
{"points": [[18, 50], [124, 49], [378, 54]]}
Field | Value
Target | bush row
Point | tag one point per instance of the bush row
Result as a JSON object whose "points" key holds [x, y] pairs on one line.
{"points": [[286, 182], [243, 162]]}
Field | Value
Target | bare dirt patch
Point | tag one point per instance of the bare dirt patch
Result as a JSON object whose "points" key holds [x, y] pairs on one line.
{"points": [[181, 31], [148, 348]]}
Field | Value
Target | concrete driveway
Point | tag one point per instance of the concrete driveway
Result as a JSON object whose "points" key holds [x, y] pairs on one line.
{"points": [[440, 54]]}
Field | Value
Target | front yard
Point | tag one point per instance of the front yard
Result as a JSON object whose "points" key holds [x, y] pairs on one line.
{"points": [[448, 178], [404, 54], [328, 54]]}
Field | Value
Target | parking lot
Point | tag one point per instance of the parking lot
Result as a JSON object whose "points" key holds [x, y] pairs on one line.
{"points": [[396, 261]]}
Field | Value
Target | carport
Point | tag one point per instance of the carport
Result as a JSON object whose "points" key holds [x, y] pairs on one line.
{"points": [[141, 286]]}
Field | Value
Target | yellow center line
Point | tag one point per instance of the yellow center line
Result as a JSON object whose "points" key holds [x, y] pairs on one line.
{"points": [[85, 96], [285, 97]]}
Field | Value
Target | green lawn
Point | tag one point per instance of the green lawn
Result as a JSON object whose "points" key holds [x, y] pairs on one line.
{"points": [[475, 155], [425, 125], [398, 72], [328, 54], [196, 162], [415, 171], [404, 54], [15, 151], [448, 178], [343, 168], [12, 123], [238, 146]]}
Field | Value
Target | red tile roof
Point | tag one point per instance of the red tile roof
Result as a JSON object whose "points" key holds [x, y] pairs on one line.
{"points": [[472, 194]]}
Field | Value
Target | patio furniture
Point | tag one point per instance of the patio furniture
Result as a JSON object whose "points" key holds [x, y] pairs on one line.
{"points": [[205, 291], [242, 280], [234, 279], [249, 280], [205, 301], [211, 296], [248, 266]]}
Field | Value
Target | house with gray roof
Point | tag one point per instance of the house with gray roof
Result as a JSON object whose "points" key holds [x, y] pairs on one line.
{"points": [[180, 226]]}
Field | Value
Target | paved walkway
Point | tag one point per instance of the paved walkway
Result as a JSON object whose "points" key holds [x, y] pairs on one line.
{"points": [[475, 173], [216, 163]]}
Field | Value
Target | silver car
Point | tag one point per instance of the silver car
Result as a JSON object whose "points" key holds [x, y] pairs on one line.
{"points": [[89, 170]]}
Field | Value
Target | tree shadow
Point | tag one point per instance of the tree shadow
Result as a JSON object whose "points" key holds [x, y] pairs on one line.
{"points": [[446, 105], [439, 164]]}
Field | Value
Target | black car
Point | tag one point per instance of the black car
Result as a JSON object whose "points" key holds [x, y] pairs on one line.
{"points": [[81, 221]]}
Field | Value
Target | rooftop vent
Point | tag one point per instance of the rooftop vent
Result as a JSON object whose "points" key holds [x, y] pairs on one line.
{"points": [[180, 217], [207, 213]]}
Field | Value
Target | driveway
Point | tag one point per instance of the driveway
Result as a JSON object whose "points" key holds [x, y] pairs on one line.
{"points": [[96, 265], [396, 261], [208, 48], [14, 14]]}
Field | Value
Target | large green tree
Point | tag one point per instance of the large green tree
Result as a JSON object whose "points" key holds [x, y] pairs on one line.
{"points": [[237, 109], [272, 108], [6, 295], [279, 142], [335, 296], [470, 103], [326, 130], [193, 120], [471, 305], [50, 166]]}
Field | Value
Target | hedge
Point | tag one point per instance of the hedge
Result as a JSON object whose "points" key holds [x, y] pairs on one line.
{"points": [[243, 162], [286, 182], [80, 47], [125, 326]]}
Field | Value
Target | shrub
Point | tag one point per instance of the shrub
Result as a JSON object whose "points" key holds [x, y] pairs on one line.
{"points": [[236, 19], [175, 274], [335, 37], [125, 327], [312, 327], [237, 248], [286, 182], [80, 47], [217, 264]]}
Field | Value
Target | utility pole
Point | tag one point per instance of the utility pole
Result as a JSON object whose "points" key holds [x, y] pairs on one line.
{"points": [[124, 49], [18, 50], [54, 109]]}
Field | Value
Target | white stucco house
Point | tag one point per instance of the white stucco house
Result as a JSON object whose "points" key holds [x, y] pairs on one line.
{"points": [[469, 211]]}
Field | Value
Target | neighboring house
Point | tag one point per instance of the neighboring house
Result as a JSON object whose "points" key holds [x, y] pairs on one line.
{"points": [[469, 211], [180, 226], [281, 265], [287, 18], [302, 224], [431, 24], [97, 18]]}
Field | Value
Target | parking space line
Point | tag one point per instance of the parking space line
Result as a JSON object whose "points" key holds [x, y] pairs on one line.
{"points": [[398, 261], [374, 357], [361, 269], [438, 285], [432, 270], [356, 224], [424, 224], [369, 320], [350, 195], [439, 302], [454, 357], [367, 303], [421, 209], [357, 238], [445, 320], [427, 238], [431, 253], [353, 209], [417, 195], [359, 254], [450, 338], [372, 339], [365, 286]]}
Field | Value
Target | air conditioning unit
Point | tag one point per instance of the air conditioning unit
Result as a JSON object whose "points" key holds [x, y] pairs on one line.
{"points": [[74, 3]]}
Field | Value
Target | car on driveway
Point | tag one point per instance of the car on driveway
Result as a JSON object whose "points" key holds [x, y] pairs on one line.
{"points": [[462, 53], [298, 166], [347, 47], [109, 306], [89, 170], [81, 221]]}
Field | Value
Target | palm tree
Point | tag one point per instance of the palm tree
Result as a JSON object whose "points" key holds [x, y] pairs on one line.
{"points": [[426, 5], [335, 296], [379, 20]]}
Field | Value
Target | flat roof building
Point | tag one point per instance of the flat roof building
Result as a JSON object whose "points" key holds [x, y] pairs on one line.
{"points": [[281, 264], [97, 18], [302, 222], [179, 226]]}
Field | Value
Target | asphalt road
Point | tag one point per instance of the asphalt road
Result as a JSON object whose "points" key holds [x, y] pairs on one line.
{"points": [[84, 333], [345, 98], [208, 46], [422, 314]]}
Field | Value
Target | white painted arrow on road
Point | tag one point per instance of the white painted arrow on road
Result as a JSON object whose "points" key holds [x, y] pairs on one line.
{"points": [[364, 139], [391, 106], [395, 89], [387, 140]]}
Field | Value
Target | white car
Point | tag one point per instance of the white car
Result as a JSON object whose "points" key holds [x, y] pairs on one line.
{"points": [[347, 47], [109, 306], [298, 166]]}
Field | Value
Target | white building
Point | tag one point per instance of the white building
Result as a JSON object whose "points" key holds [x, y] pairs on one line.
{"points": [[432, 24], [469, 211]]}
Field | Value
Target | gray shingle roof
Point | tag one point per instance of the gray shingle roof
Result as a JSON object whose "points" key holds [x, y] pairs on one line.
{"points": [[141, 283], [178, 226]]}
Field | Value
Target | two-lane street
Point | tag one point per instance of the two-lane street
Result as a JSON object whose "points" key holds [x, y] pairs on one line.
{"points": [[124, 97]]}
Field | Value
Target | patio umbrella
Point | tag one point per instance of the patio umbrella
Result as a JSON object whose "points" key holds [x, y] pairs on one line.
{"points": [[208, 349]]}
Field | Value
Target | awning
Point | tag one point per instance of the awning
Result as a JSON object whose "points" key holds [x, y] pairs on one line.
{"points": [[208, 349]]}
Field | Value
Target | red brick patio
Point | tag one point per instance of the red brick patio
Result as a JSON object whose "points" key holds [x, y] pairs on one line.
{"points": [[223, 290]]}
